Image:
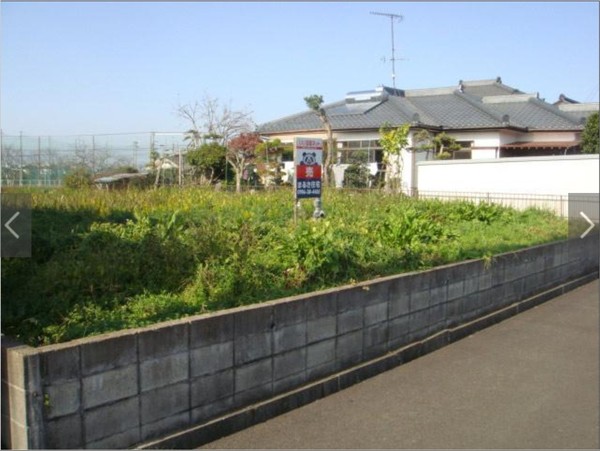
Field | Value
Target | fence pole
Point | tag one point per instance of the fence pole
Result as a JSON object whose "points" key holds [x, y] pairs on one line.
{"points": [[39, 155], [21, 158]]}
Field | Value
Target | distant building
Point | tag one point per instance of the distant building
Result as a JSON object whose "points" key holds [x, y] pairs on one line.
{"points": [[486, 117]]}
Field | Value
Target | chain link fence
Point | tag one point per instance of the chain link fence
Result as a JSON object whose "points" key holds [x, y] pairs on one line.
{"points": [[45, 160]]}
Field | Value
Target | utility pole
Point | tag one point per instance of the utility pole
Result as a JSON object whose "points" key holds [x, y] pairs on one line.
{"points": [[392, 18]]}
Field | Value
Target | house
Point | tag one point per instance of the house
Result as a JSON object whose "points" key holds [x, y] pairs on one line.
{"points": [[486, 117]]}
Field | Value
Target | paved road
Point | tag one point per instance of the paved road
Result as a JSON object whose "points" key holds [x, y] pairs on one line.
{"points": [[531, 381]]}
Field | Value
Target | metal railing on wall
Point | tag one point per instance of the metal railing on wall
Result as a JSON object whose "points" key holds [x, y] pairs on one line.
{"points": [[521, 201]]}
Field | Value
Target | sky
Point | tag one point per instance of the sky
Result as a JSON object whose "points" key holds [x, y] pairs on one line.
{"points": [[115, 67]]}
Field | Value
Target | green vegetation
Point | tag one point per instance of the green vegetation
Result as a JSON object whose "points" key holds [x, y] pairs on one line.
{"points": [[105, 261], [590, 136]]}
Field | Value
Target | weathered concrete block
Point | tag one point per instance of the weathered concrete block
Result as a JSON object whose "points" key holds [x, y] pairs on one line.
{"points": [[320, 371], [253, 320], [437, 317], [211, 359], [320, 353], [350, 320], [291, 362], [111, 419], [376, 313], [164, 371], [399, 296], [419, 300], [289, 383], [322, 305], [164, 402], [456, 290], [321, 329], [439, 277], [485, 280], [497, 296], [418, 321], [217, 328], [289, 337], [60, 364], [398, 331], [208, 389], [438, 295], [376, 292], [163, 340], [121, 440], [253, 375], [349, 349], [289, 312], [107, 353], [375, 340], [531, 284], [249, 348], [64, 433], [498, 272], [62, 399], [207, 412], [420, 281], [351, 298], [255, 394], [512, 270], [165, 425], [513, 291], [109, 386], [471, 285]]}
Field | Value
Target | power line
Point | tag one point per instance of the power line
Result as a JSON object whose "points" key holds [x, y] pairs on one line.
{"points": [[392, 18]]}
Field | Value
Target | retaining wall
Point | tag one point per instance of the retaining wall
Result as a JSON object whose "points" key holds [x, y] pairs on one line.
{"points": [[208, 375]]}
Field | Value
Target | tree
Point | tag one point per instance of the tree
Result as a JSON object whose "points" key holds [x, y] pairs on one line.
{"points": [[240, 150], [268, 156], [207, 161], [217, 120], [315, 102], [589, 136], [357, 176], [441, 144], [393, 140], [445, 145]]}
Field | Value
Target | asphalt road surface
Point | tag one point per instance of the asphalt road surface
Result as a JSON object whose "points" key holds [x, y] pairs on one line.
{"points": [[531, 381]]}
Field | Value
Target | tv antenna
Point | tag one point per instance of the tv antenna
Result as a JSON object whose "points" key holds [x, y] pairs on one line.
{"points": [[392, 17]]}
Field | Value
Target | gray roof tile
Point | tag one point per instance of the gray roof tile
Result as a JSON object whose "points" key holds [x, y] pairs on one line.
{"points": [[480, 104]]}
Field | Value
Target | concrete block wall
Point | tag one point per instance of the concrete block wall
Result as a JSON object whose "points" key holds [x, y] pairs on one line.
{"points": [[128, 388]]}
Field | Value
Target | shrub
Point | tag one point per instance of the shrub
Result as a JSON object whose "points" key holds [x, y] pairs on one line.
{"points": [[78, 178]]}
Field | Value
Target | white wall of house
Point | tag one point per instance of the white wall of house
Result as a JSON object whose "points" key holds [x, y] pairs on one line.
{"points": [[485, 147], [557, 175]]}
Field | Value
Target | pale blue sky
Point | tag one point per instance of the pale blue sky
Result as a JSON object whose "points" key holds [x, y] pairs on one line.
{"points": [[78, 68]]}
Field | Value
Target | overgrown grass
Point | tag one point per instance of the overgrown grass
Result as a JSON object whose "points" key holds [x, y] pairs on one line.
{"points": [[105, 261]]}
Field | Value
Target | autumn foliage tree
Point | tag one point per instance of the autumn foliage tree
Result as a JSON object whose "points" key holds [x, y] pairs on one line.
{"points": [[240, 151]]}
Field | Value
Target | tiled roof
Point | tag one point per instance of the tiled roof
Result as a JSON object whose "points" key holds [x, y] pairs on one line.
{"points": [[479, 104]]}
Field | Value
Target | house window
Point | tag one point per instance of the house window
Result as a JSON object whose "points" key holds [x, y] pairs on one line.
{"points": [[359, 152], [465, 150]]}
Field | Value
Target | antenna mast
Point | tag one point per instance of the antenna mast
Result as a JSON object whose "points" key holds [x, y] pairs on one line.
{"points": [[392, 17]]}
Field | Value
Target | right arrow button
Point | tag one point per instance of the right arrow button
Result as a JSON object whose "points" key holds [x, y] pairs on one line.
{"points": [[590, 222]]}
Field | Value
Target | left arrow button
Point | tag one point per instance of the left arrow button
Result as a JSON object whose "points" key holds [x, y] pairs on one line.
{"points": [[7, 225]]}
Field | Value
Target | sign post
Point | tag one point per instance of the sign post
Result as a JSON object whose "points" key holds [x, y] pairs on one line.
{"points": [[308, 163]]}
